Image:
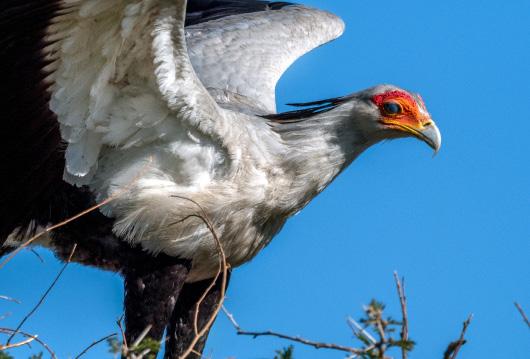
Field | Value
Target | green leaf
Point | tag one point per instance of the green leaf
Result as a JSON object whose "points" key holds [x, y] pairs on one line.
{"points": [[285, 353]]}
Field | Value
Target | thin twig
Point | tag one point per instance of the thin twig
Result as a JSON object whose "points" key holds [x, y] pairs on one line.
{"points": [[44, 345], [314, 344], [54, 227], [9, 299], [37, 254], [400, 285], [199, 302], [523, 314], [94, 344], [223, 267], [16, 345], [43, 297], [124, 347], [454, 347]]}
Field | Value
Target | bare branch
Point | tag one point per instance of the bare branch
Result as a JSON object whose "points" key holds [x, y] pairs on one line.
{"points": [[400, 286], [297, 339], [523, 314], [43, 297], [454, 347], [35, 338], [94, 344]]}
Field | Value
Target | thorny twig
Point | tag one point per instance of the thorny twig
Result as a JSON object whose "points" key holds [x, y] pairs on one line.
{"points": [[94, 344], [400, 286], [35, 338], [223, 268], [41, 300], [523, 314], [454, 347]]}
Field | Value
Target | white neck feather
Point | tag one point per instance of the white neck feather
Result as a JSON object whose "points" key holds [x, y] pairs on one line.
{"points": [[321, 147]]}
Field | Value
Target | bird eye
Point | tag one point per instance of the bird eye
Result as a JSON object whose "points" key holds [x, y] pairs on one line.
{"points": [[392, 108]]}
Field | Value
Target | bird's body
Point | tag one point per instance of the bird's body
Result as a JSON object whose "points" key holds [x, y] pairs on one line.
{"points": [[162, 118]]}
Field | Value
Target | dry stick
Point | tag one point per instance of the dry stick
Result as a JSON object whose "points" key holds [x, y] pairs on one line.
{"points": [[94, 344], [400, 285], [523, 314], [9, 299], [35, 338], [222, 267], [76, 217], [317, 345], [461, 341], [201, 299], [124, 347], [44, 295]]}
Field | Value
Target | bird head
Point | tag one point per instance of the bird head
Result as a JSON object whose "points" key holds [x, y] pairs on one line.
{"points": [[391, 112]]}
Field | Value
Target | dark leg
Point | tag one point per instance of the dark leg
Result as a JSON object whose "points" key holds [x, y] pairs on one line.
{"points": [[180, 331], [152, 287]]}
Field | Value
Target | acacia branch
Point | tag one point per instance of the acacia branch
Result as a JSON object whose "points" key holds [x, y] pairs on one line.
{"points": [[297, 339], [43, 297]]}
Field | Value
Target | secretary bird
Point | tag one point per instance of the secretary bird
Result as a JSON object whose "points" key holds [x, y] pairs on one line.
{"points": [[163, 104]]}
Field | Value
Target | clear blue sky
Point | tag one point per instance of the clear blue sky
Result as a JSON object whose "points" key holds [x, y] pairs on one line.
{"points": [[457, 226]]}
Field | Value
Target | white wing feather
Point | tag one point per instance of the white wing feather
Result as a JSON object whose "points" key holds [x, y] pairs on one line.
{"points": [[121, 70], [247, 54]]}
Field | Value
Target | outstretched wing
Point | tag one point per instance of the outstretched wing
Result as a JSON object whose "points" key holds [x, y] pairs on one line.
{"points": [[246, 54]]}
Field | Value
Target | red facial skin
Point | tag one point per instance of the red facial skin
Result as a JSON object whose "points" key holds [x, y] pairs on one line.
{"points": [[413, 114]]}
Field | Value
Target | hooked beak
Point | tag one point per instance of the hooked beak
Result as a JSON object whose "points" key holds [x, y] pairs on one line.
{"points": [[431, 135], [427, 132]]}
